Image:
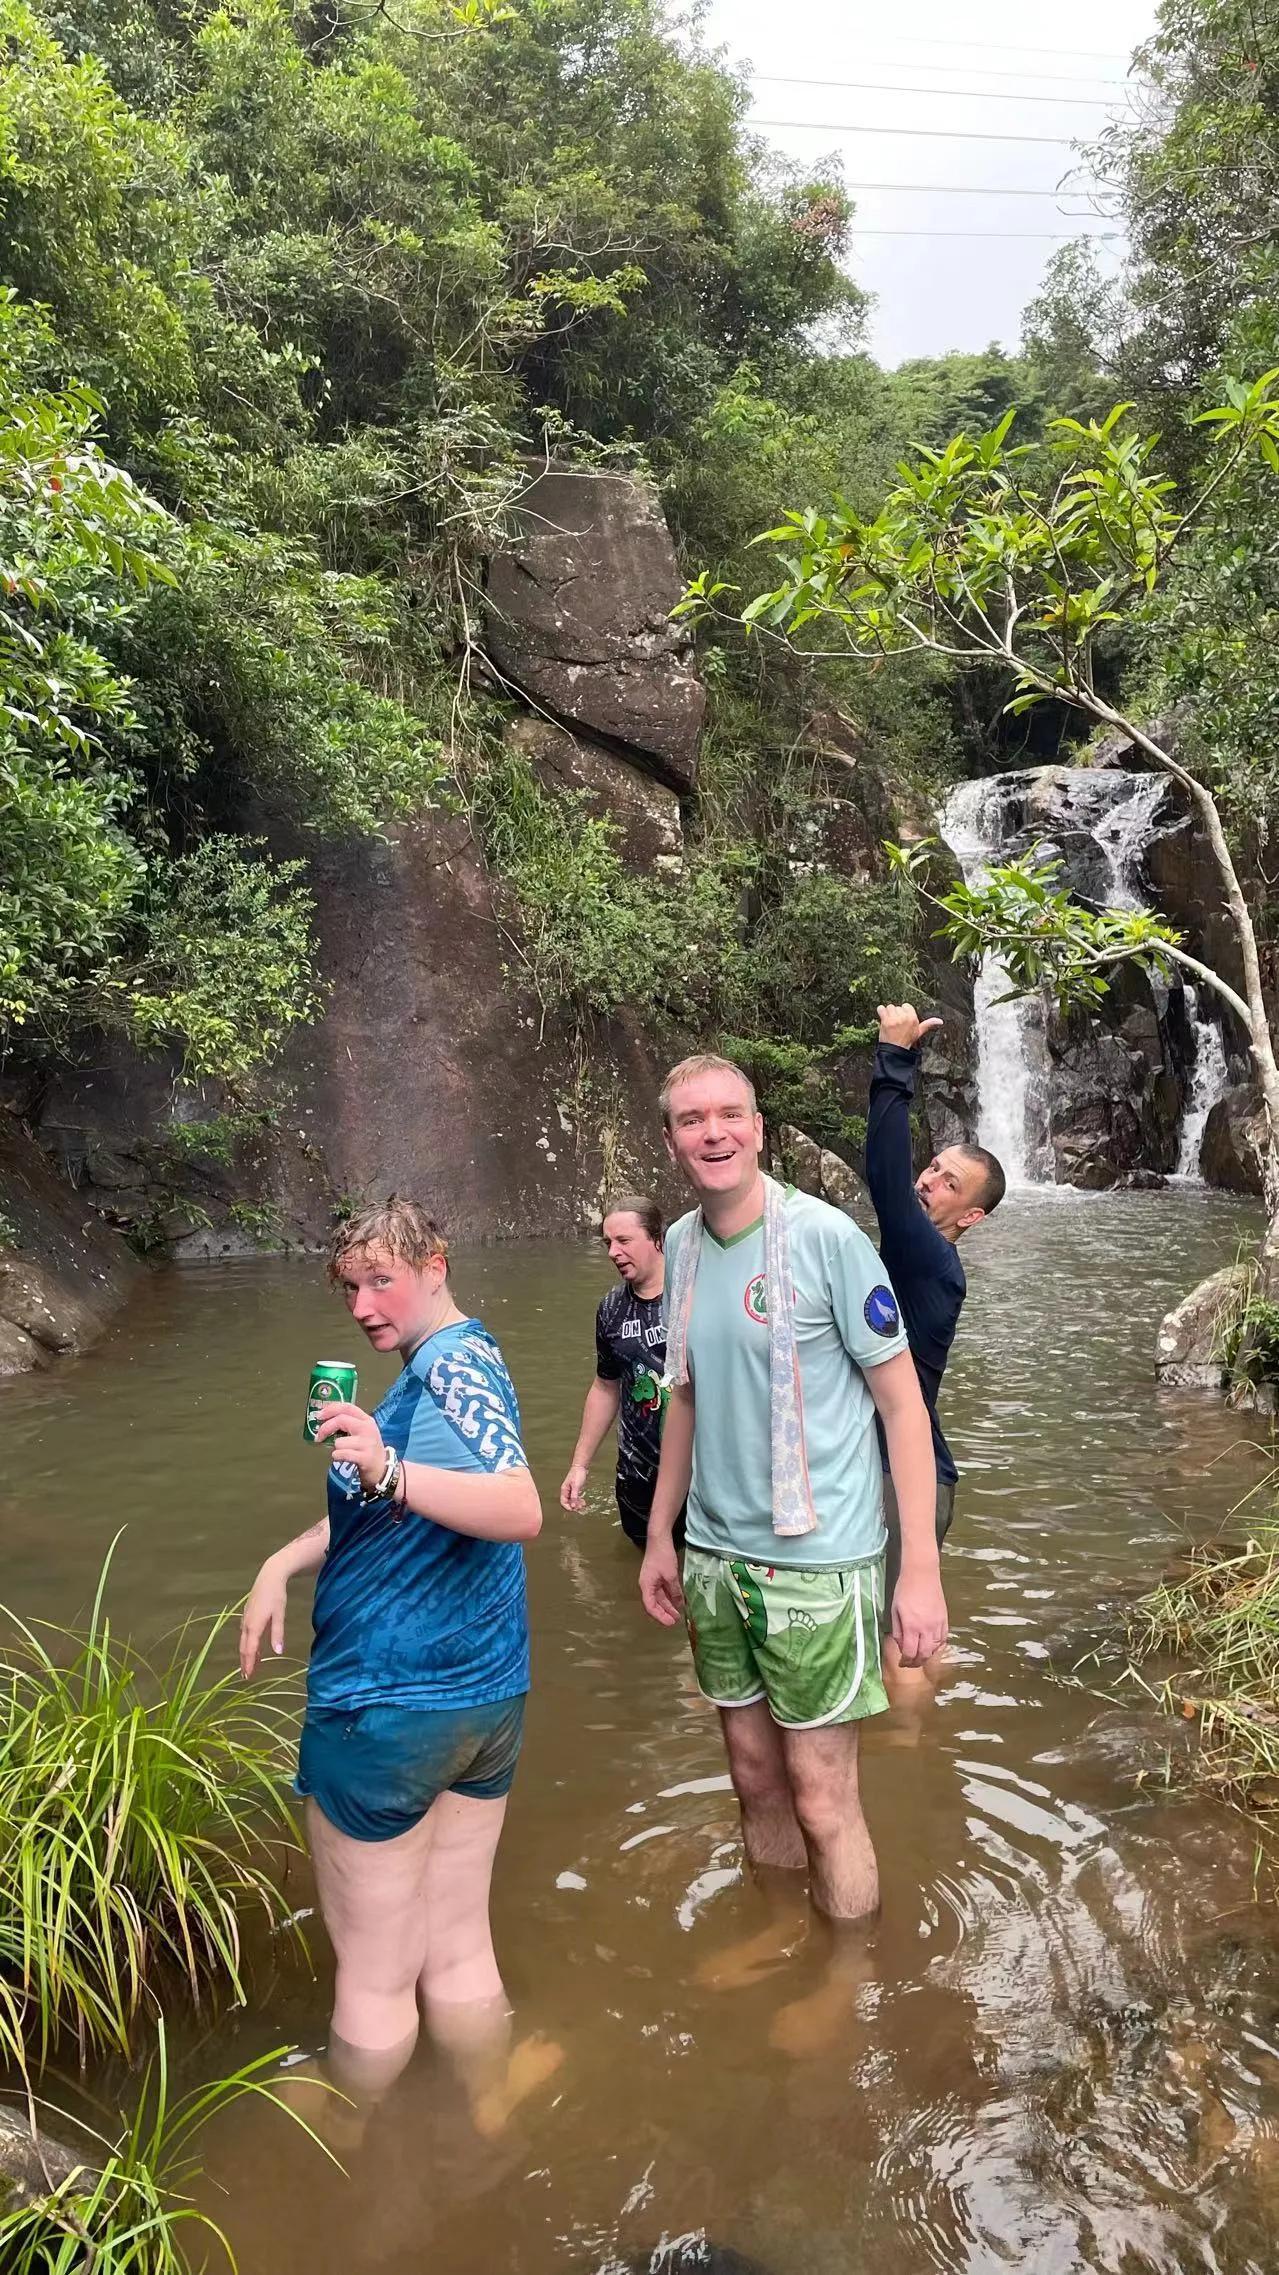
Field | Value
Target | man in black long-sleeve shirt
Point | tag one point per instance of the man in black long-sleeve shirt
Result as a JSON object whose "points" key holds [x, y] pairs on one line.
{"points": [[921, 1221]]}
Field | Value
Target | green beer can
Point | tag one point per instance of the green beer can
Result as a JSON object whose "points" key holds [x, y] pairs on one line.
{"points": [[331, 1380]]}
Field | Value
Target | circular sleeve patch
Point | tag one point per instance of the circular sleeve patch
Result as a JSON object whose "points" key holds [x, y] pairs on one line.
{"points": [[880, 1312]]}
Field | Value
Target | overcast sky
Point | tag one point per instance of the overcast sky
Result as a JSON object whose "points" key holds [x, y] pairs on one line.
{"points": [[934, 292]]}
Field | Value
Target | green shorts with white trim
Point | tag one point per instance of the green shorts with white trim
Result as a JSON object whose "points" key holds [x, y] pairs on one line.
{"points": [[805, 1641]]}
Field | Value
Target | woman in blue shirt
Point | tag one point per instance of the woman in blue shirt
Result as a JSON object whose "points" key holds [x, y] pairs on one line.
{"points": [[419, 1667]]}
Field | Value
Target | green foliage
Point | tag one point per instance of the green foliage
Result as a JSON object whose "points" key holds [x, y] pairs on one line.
{"points": [[1250, 1350], [585, 934], [1222, 1618], [1193, 172], [126, 2209], [219, 1136], [1040, 934], [287, 310], [69, 880], [227, 958], [964, 394], [774, 959], [974, 556], [135, 1805]]}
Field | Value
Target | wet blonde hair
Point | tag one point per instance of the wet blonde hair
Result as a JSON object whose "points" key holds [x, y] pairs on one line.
{"points": [[702, 1062], [402, 1227]]}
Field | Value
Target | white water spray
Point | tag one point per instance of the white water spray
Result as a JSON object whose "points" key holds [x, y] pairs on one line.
{"points": [[1011, 1050], [1209, 1080]]}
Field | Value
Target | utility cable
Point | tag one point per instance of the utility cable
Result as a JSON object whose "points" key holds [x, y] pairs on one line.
{"points": [[917, 133], [980, 71], [1044, 236], [947, 94], [979, 189], [1003, 47]]}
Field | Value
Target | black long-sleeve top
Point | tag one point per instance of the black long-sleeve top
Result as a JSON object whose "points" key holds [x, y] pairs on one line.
{"points": [[922, 1264]]}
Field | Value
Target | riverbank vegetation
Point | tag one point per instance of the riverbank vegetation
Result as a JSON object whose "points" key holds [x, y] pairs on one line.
{"points": [[120, 2205], [143, 1815], [1219, 1618]]}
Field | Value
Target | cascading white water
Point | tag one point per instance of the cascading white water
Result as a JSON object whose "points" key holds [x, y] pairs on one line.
{"points": [[1209, 1079], [1084, 813], [1010, 1038], [1123, 834]]}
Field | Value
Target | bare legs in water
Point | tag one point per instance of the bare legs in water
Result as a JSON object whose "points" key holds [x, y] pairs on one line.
{"points": [[409, 1922]]}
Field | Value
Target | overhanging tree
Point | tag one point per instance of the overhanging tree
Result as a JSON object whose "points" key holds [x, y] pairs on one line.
{"points": [[1020, 556]]}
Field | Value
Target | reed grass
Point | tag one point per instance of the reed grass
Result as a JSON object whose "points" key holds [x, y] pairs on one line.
{"points": [[143, 1811], [126, 2210], [1221, 1617]]}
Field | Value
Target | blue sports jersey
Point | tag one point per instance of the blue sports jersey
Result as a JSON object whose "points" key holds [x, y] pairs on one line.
{"points": [[407, 1612]]}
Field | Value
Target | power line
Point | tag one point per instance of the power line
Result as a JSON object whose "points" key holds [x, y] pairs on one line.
{"points": [[1003, 47], [944, 94], [917, 133], [982, 71], [974, 189], [1042, 236]]}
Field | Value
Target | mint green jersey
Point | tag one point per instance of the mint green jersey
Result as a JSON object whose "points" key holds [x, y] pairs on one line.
{"points": [[846, 1320]]}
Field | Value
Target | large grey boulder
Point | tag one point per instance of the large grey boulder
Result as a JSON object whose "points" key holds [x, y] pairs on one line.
{"points": [[1116, 1084], [1234, 1142], [1190, 1353], [579, 618], [800, 1159], [843, 1188]]}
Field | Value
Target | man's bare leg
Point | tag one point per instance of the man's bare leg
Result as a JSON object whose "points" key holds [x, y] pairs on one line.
{"points": [[822, 1770], [757, 1765]]}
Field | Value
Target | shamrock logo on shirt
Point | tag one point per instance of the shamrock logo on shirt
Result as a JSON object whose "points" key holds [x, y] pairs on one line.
{"points": [[647, 1391]]}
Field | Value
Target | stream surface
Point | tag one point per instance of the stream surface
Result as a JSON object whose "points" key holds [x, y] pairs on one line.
{"points": [[1057, 2049]]}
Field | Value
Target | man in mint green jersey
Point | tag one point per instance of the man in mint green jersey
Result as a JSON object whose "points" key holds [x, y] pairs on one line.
{"points": [[784, 1340]]}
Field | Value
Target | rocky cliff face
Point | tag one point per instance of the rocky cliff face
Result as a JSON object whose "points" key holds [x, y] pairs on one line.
{"points": [[62, 1272], [428, 1070]]}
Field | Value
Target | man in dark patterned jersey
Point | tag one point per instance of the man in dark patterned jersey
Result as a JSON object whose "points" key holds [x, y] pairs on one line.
{"points": [[630, 1356]]}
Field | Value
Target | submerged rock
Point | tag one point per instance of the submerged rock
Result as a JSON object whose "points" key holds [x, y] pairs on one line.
{"points": [[1190, 1351], [31, 2165]]}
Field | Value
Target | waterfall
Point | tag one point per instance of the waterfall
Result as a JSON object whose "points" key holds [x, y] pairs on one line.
{"points": [[1209, 1079], [1011, 1050], [1123, 833]]}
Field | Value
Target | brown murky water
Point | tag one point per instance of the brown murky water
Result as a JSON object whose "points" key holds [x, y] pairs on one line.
{"points": [[1059, 2047]]}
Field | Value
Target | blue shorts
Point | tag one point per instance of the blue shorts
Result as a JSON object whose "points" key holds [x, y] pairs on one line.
{"points": [[375, 1770]]}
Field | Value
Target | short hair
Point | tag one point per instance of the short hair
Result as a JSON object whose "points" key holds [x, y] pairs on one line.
{"points": [[403, 1227], [996, 1184], [702, 1062], [640, 1205]]}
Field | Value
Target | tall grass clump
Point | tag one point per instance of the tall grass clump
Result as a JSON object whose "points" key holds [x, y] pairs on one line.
{"points": [[1221, 1619], [142, 1812], [125, 2210]]}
